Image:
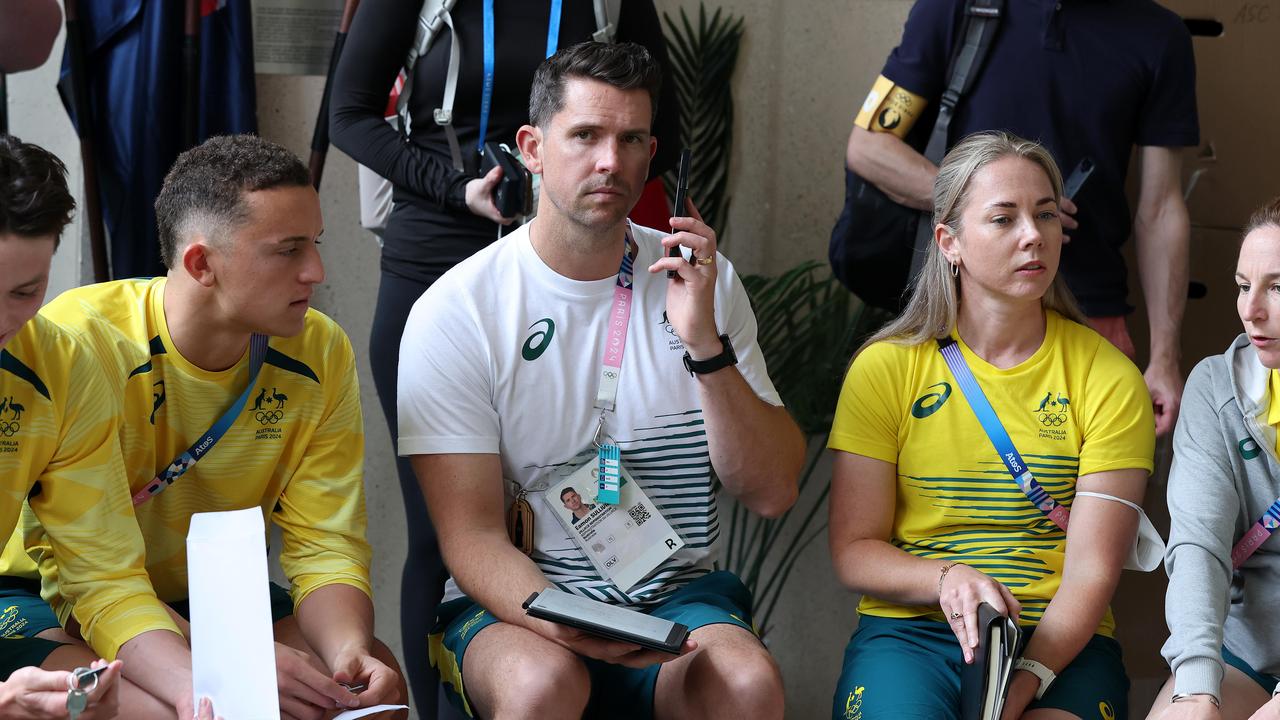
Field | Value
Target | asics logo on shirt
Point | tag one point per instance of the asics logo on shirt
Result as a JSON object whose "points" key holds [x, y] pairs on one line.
{"points": [[157, 398], [930, 403], [537, 342]]}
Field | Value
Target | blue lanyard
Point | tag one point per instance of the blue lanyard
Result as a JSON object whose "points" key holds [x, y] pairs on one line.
{"points": [[486, 90], [999, 437], [202, 446]]}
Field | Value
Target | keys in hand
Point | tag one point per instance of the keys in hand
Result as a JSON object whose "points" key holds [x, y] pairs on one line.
{"points": [[77, 700]]}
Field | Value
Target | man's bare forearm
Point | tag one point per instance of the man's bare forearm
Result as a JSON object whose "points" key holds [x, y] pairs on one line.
{"points": [[159, 662], [1162, 231], [492, 572], [335, 618], [893, 166], [756, 448]]}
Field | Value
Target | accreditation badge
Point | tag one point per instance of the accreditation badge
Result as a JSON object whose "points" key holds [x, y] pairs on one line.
{"points": [[625, 542]]}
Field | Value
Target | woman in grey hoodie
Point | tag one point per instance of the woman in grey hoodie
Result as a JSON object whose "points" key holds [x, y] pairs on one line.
{"points": [[1222, 603]]}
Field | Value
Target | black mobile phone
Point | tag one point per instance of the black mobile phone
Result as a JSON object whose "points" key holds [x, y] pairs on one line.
{"points": [[514, 194], [607, 621], [682, 196], [1076, 180]]}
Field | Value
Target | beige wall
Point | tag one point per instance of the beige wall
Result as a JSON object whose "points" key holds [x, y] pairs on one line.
{"points": [[805, 67]]}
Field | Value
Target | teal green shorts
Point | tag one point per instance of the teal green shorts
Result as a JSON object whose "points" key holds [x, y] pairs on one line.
{"points": [[909, 669], [617, 692], [1267, 682], [22, 616], [281, 604], [19, 652]]}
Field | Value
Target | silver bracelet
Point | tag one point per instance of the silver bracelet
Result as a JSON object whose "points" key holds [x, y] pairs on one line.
{"points": [[1187, 696]]}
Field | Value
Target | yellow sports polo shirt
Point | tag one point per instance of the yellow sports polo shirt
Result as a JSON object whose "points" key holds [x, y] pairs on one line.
{"points": [[1077, 406], [59, 447], [296, 450], [1273, 407]]}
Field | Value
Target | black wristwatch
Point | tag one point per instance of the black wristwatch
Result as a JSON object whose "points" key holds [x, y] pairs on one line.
{"points": [[723, 360]]}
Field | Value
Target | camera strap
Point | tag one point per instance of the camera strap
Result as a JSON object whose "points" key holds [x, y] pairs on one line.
{"points": [[977, 32], [209, 438]]}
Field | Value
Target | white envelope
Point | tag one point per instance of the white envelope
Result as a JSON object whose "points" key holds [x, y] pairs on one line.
{"points": [[233, 659]]}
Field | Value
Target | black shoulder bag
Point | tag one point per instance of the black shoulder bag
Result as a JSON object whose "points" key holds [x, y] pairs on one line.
{"points": [[877, 246]]}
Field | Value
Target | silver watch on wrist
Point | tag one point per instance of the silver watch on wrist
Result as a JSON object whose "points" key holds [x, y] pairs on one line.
{"points": [[1044, 674], [1178, 697]]}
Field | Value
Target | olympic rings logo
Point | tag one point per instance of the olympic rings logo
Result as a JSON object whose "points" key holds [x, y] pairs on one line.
{"points": [[610, 374], [9, 429], [1053, 419], [269, 417]]}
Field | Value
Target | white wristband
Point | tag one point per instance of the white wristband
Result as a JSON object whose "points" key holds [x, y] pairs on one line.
{"points": [[1044, 674]]}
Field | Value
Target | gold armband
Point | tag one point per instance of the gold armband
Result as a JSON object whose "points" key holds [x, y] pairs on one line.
{"points": [[890, 108]]}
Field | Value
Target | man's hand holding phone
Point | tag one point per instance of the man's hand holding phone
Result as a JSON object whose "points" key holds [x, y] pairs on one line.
{"points": [[1070, 188], [691, 291]]}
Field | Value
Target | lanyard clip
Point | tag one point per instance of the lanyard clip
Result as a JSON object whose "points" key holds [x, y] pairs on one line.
{"points": [[599, 431]]}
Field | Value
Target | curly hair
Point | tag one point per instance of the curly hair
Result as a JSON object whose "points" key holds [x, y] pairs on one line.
{"points": [[205, 188]]}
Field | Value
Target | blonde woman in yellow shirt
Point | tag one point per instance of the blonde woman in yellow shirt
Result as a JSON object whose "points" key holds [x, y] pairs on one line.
{"points": [[927, 520]]}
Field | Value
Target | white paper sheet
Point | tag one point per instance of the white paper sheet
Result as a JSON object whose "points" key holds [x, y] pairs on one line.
{"points": [[233, 658], [362, 712]]}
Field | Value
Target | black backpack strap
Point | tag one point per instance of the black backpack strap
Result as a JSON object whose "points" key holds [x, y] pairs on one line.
{"points": [[981, 20]]}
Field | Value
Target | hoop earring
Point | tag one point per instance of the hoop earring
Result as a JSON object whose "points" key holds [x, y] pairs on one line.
{"points": [[955, 270]]}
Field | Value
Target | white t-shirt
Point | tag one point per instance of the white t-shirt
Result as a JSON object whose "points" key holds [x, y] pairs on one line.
{"points": [[503, 355]]}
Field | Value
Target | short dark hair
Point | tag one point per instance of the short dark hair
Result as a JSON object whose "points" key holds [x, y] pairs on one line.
{"points": [[208, 182], [566, 491], [34, 199], [626, 66]]}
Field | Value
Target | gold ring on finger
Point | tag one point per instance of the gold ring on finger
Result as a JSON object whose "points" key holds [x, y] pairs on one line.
{"points": [[705, 261]]}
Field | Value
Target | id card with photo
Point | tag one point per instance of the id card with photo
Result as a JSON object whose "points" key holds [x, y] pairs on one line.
{"points": [[626, 542]]}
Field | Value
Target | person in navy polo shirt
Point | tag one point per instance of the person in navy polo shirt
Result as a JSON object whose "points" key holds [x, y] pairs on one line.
{"points": [[1086, 79]]}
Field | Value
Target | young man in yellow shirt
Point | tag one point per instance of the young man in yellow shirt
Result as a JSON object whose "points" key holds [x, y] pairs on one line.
{"points": [[235, 394]]}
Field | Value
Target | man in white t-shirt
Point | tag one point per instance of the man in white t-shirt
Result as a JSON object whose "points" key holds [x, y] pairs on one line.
{"points": [[545, 359]]}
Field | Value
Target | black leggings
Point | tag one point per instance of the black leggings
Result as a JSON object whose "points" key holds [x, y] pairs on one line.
{"points": [[422, 582]]}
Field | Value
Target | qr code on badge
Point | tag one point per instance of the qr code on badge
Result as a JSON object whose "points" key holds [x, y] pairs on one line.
{"points": [[639, 513]]}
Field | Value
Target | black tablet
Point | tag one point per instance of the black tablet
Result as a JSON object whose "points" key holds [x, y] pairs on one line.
{"points": [[607, 621]]}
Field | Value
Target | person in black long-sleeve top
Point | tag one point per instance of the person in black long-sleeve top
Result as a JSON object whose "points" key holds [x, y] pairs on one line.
{"points": [[442, 215]]}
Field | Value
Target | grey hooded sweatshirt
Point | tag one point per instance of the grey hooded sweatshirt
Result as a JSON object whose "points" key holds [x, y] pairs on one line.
{"points": [[1225, 475]]}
